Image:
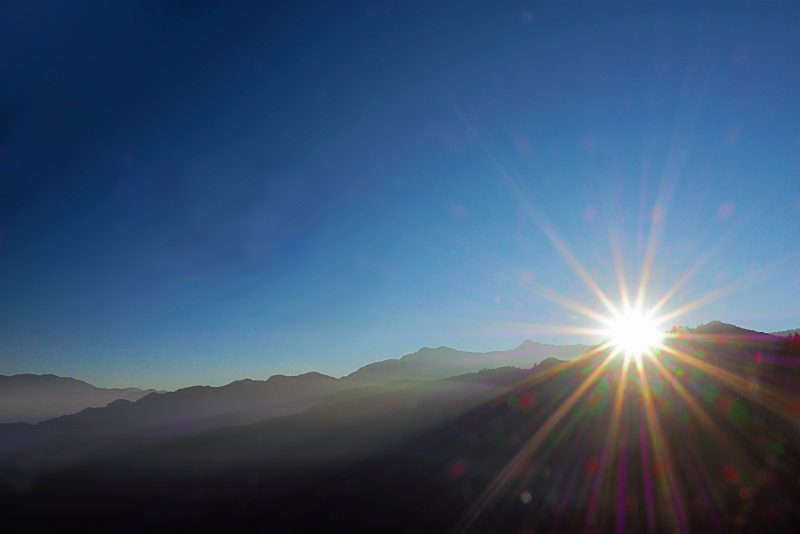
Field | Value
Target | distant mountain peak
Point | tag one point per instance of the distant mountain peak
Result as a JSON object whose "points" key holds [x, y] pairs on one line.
{"points": [[720, 327], [717, 324], [316, 374], [429, 351], [309, 375], [430, 363], [32, 398], [786, 333], [439, 348], [43, 378]]}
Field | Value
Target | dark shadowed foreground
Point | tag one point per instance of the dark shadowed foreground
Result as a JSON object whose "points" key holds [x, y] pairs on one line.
{"points": [[703, 436]]}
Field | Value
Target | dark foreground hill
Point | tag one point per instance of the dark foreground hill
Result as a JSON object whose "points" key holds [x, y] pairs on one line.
{"points": [[703, 437]]}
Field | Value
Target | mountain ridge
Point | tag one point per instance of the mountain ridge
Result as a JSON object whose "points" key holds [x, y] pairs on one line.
{"points": [[246, 400], [31, 398], [721, 328], [432, 363], [786, 333], [199, 408], [371, 458]]}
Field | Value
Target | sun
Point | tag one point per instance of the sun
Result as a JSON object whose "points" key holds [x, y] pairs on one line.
{"points": [[634, 334]]}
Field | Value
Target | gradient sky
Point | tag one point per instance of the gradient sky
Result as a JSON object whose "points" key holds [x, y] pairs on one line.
{"points": [[194, 192]]}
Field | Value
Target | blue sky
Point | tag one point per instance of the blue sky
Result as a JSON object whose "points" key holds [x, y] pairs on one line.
{"points": [[198, 192]]}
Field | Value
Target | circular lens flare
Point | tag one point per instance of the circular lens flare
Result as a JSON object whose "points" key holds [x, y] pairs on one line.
{"points": [[633, 333]]}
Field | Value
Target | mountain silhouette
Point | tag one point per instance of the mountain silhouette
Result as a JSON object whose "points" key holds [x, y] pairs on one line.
{"points": [[199, 408], [32, 398], [786, 333], [187, 410], [702, 437], [720, 328], [441, 362]]}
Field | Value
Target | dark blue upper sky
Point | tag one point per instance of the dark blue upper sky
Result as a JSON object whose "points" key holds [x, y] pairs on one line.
{"points": [[193, 192]]}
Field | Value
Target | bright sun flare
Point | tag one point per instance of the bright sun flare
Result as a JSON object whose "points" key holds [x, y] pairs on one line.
{"points": [[634, 334]]}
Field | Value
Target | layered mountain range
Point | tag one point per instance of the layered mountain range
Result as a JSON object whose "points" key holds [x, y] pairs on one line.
{"points": [[702, 436], [34, 398]]}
